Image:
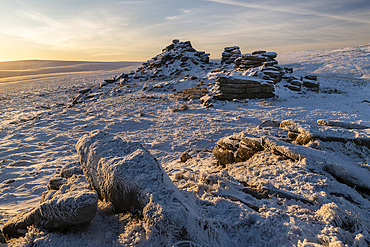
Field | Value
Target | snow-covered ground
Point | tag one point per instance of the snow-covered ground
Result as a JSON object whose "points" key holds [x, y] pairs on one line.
{"points": [[38, 134]]}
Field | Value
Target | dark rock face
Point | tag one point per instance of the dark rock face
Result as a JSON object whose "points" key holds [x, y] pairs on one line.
{"points": [[2, 238], [230, 88]]}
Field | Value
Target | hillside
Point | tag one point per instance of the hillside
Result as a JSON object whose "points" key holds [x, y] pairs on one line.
{"points": [[287, 170]]}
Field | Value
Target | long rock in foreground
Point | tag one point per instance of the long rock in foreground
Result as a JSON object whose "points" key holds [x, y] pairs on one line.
{"points": [[121, 172], [129, 177]]}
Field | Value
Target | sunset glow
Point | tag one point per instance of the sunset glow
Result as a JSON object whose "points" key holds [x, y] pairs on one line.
{"points": [[116, 30]]}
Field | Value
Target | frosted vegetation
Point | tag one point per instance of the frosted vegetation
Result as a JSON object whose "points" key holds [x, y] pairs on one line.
{"points": [[308, 184]]}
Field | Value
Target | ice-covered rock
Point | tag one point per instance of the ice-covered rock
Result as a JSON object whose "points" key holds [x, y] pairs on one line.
{"points": [[71, 169], [129, 177], [123, 173], [17, 226], [69, 209], [67, 202]]}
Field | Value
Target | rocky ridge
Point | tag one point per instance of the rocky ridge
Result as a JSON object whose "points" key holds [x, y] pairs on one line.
{"points": [[189, 75]]}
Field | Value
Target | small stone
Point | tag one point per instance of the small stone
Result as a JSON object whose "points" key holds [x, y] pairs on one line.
{"points": [[55, 183], [296, 82], [268, 123], [193, 77], [310, 84], [294, 88], [185, 157], [9, 181], [288, 70], [69, 209], [85, 90], [311, 77], [70, 170]]}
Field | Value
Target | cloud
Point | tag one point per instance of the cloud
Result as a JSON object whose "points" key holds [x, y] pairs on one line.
{"points": [[76, 32], [184, 12], [292, 8]]}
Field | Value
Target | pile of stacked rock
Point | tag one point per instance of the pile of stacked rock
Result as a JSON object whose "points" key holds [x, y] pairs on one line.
{"points": [[230, 54], [272, 72], [175, 60], [256, 59], [260, 70], [309, 82]]}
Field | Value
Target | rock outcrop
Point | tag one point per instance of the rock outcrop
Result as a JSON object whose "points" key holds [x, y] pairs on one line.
{"points": [[177, 59], [236, 148], [256, 59], [241, 147], [229, 88], [230, 54]]}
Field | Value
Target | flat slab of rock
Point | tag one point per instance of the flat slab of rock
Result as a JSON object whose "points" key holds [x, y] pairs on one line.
{"points": [[230, 88]]}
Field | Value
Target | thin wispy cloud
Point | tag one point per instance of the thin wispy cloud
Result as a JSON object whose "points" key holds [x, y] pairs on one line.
{"points": [[291, 9], [184, 13]]}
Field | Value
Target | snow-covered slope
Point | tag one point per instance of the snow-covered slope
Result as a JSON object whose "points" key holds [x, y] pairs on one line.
{"points": [[307, 204], [347, 63]]}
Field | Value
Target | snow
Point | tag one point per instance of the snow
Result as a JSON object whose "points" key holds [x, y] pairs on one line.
{"points": [[38, 134]]}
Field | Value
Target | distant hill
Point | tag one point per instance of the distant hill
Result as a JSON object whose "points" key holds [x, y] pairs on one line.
{"points": [[41, 68]]}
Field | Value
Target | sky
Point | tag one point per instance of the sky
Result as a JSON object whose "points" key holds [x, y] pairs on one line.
{"points": [[123, 30]]}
